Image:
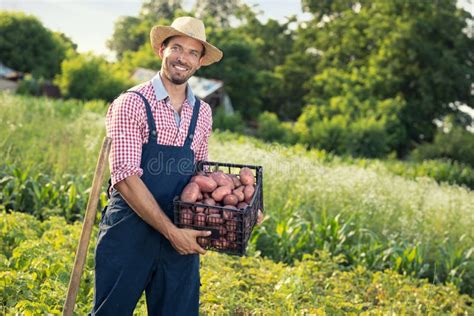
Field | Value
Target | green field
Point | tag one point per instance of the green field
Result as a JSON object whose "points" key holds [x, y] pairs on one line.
{"points": [[339, 236]]}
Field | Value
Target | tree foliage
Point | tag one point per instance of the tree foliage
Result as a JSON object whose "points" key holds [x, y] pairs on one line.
{"points": [[27, 46], [221, 11], [87, 77], [411, 50], [160, 9]]}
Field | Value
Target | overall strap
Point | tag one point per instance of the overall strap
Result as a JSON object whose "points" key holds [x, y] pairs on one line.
{"points": [[192, 125], [151, 121]]}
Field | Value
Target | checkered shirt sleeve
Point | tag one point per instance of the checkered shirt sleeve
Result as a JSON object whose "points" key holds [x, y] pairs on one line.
{"points": [[127, 125]]}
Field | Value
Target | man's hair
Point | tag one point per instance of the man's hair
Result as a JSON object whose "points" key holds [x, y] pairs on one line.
{"points": [[168, 39]]}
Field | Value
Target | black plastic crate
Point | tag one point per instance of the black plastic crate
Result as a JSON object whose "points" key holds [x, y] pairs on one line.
{"points": [[231, 232]]}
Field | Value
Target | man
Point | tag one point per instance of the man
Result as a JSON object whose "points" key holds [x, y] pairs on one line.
{"points": [[159, 130]]}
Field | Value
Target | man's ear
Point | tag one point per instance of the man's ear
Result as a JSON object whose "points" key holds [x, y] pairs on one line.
{"points": [[160, 51], [201, 60]]}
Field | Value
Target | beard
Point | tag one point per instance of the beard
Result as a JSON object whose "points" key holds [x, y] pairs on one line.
{"points": [[177, 78]]}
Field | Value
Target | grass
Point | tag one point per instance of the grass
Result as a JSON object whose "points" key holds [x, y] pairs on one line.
{"points": [[368, 215]]}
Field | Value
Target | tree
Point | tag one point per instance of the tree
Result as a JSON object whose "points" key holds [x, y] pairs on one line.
{"points": [[87, 77], [411, 50], [27, 46], [221, 11], [126, 36], [329, 7], [160, 9]]}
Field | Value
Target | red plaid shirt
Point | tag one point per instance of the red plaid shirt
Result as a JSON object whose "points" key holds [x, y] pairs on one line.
{"points": [[127, 125]]}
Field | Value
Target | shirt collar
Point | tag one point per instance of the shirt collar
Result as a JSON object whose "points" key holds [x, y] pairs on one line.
{"points": [[161, 93]]}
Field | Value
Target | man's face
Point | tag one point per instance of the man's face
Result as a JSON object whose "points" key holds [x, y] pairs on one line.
{"points": [[181, 58]]}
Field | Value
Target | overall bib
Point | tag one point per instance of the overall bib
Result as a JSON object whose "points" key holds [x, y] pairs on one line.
{"points": [[131, 256]]}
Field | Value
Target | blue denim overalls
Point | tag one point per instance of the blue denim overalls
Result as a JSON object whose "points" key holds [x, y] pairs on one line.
{"points": [[131, 256]]}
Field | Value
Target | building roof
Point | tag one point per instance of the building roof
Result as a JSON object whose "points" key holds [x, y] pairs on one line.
{"points": [[8, 73]]}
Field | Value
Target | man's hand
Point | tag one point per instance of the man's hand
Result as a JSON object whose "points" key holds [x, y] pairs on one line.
{"points": [[260, 217], [184, 240]]}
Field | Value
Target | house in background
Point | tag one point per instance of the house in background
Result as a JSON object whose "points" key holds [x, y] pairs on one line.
{"points": [[9, 78], [209, 90]]}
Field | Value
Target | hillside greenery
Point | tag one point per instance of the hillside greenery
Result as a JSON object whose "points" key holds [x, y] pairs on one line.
{"points": [[360, 210]]}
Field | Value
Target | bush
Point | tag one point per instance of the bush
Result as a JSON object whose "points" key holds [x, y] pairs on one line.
{"points": [[367, 138], [29, 86], [457, 145], [227, 122], [349, 126], [444, 170], [87, 77], [271, 129], [330, 134]]}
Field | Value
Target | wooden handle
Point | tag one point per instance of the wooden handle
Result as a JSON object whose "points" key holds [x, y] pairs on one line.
{"points": [[89, 220]]}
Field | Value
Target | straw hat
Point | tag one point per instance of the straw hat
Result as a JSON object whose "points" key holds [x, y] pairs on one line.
{"points": [[185, 26]]}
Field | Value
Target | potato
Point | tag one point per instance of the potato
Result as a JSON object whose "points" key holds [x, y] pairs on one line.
{"points": [[246, 176], [231, 236], [230, 199], [221, 192], [227, 214], [222, 230], [200, 219], [221, 243], [206, 195], [203, 241], [186, 216], [242, 205], [213, 210], [224, 242], [231, 225], [200, 209], [206, 184], [214, 219], [222, 179], [239, 192], [236, 180], [248, 192], [216, 244], [190, 193], [209, 201]]}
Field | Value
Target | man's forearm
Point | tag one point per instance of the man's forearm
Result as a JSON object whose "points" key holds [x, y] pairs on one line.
{"points": [[140, 199]]}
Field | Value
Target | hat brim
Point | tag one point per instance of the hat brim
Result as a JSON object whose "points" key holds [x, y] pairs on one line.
{"points": [[161, 32]]}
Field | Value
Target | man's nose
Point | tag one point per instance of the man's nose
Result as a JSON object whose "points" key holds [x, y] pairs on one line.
{"points": [[181, 58]]}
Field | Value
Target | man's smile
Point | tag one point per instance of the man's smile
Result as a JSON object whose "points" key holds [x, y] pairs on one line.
{"points": [[179, 67]]}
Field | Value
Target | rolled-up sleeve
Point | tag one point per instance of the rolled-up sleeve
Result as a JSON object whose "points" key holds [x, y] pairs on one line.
{"points": [[124, 127]]}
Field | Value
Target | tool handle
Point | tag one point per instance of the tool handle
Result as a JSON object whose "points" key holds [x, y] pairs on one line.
{"points": [[89, 219]]}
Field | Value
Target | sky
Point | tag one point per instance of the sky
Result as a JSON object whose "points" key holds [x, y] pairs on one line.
{"points": [[90, 23]]}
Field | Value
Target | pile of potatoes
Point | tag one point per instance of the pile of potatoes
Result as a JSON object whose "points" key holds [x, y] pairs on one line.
{"points": [[233, 192]]}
